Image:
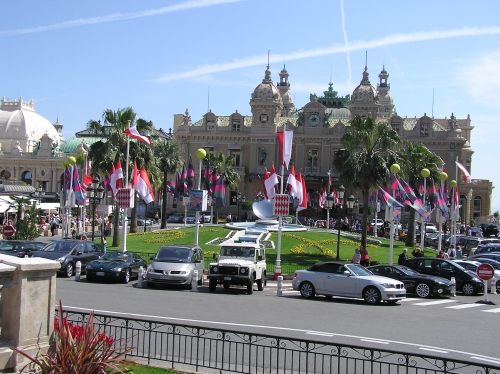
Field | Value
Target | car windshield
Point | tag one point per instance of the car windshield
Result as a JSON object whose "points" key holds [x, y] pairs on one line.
{"points": [[115, 256], [174, 254], [407, 271], [236, 251], [358, 270], [58, 247]]}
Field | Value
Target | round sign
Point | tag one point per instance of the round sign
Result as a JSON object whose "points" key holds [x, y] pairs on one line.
{"points": [[485, 271], [8, 231]]}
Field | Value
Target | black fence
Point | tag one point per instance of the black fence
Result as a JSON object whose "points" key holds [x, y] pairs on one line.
{"points": [[174, 345]]}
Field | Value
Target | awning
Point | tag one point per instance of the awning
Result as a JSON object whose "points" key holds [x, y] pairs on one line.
{"points": [[49, 206]]}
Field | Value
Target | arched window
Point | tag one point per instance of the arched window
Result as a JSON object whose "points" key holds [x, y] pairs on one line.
{"points": [[477, 207], [27, 177]]}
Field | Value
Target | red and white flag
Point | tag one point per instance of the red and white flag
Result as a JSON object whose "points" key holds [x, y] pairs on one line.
{"points": [[464, 171], [285, 140], [132, 131], [140, 183], [292, 182], [116, 178], [322, 198], [329, 179], [298, 186], [270, 183], [303, 204], [86, 181]]}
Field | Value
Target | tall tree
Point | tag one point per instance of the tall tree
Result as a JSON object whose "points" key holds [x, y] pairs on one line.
{"points": [[367, 145], [167, 160], [113, 146], [225, 166], [413, 158]]}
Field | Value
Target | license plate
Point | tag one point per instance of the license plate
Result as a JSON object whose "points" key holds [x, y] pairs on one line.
{"points": [[100, 274], [401, 292], [227, 278], [165, 277]]}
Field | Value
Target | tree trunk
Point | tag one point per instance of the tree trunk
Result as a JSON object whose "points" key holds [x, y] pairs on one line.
{"points": [[116, 226], [164, 202]]}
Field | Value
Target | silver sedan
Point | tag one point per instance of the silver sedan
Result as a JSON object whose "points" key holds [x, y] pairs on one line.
{"points": [[347, 280]]}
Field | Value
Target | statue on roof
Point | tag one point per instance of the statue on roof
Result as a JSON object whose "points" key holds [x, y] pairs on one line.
{"points": [[36, 148], [55, 145], [186, 118], [262, 156], [452, 122]]}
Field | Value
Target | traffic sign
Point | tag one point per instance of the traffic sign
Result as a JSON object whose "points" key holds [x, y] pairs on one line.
{"points": [[8, 231], [485, 271]]}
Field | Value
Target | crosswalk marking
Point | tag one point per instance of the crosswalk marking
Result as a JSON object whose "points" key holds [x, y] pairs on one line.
{"points": [[436, 302], [463, 306], [496, 310]]}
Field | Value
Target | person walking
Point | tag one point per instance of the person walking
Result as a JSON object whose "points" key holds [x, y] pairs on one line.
{"points": [[365, 259], [357, 257], [103, 243], [403, 257], [417, 253], [452, 254]]}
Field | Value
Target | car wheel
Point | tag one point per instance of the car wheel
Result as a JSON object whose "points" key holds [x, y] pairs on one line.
{"points": [[212, 285], [69, 270], [260, 284], [307, 290], [200, 281], [498, 286], [422, 290], [126, 276], [469, 289], [250, 286], [372, 295], [150, 284]]}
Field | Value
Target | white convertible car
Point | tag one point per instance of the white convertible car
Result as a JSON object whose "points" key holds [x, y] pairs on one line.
{"points": [[347, 280]]}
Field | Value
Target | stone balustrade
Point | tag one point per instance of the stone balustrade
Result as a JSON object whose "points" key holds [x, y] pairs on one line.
{"points": [[27, 305]]}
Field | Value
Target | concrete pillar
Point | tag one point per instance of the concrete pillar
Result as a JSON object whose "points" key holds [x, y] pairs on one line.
{"points": [[27, 307]]}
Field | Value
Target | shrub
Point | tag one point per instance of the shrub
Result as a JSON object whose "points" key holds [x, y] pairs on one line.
{"points": [[79, 350]]}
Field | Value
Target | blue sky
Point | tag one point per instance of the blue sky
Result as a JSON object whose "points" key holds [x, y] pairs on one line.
{"points": [[76, 59]]}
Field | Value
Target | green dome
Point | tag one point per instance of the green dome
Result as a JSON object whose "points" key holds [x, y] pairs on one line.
{"points": [[70, 145]]}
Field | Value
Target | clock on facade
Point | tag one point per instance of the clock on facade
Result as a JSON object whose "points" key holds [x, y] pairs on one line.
{"points": [[313, 119]]}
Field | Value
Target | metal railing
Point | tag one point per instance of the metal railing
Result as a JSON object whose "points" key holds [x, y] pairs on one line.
{"points": [[158, 342]]}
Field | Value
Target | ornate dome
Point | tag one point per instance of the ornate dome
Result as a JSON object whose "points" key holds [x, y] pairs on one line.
{"points": [[365, 92], [287, 98], [338, 113], [266, 91], [19, 123]]}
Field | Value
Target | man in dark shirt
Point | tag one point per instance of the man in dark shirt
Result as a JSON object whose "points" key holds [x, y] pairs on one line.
{"points": [[403, 257]]}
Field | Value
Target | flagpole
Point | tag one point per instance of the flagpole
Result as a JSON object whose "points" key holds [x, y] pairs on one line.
{"points": [[394, 169], [455, 215], [200, 154], [424, 173], [125, 210]]}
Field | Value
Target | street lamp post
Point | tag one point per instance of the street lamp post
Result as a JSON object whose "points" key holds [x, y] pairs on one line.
{"points": [[330, 202], [95, 193], [340, 195], [351, 202]]}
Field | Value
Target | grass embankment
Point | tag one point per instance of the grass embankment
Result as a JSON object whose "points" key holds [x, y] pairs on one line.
{"points": [[305, 247]]}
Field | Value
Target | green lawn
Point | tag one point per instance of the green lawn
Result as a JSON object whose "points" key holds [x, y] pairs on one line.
{"points": [[305, 247]]}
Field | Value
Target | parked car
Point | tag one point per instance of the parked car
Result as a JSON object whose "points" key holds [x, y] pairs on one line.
{"points": [[476, 231], [470, 243], [473, 265], [422, 285], [489, 229], [485, 248], [190, 218], [68, 252], [205, 217], [379, 222], [115, 265], [432, 239], [491, 256], [175, 265], [176, 218], [466, 281], [337, 278], [20, 248], [141, 221], [430, 227]]}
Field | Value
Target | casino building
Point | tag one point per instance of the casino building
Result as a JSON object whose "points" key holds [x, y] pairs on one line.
{"points": [[318, 128]]}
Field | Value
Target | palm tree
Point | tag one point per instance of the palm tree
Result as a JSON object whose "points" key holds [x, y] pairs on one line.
{"points": [[367, 145], [224, 166], [413, 159], [26, 222], [113, 147], [168, 161]]}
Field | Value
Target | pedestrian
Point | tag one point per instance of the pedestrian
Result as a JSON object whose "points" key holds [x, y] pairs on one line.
{"points": [[440, 255], [452, 254], [157, 218], [103, 243], [365, 259], [228, 218], [403, 257], [417, 253], [84, 237], [459, 252], [53, 226], [357, 257]]}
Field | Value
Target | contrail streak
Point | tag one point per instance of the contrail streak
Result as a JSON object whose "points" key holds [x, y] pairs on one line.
{"points": [[354, 46], [345, 40], [119, 17]]}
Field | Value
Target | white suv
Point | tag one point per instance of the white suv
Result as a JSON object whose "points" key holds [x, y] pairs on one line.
{"points": [[380, 222]]}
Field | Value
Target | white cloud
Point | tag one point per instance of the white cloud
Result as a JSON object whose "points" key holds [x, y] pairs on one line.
{"points": [[119, 16], [334, 49], [482, 80]]}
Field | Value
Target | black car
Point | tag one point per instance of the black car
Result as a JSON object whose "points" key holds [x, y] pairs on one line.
{"points": [[422, 285], [487, 248], [69, 252], [489, 229], [491, 256], [115, 265], [470, 243], [466, 281], [20, 248]]}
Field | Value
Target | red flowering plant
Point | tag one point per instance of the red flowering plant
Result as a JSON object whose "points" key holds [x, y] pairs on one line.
{"points": [[79, 350]]}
